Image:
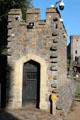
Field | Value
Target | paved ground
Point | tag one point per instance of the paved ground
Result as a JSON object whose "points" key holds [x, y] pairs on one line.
{"points": [[26, 114], [31, 113], [74, 113]]}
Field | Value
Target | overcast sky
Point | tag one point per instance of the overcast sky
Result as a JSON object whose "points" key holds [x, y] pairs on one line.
{"points": [[70, 14]]}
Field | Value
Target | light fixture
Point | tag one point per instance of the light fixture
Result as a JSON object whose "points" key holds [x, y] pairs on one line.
{"points": [[61, 5], [30, 25]]}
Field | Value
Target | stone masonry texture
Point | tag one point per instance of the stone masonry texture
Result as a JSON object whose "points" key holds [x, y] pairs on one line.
{"points": [[74, 51], [44, 43], [75, 46]]}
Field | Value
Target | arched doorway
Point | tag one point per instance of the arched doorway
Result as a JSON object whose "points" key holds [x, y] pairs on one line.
{"points": [[17, 88], [31, 83]]}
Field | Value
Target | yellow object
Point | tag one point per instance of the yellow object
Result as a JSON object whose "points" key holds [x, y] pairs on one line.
{"points": [[53, 97]]}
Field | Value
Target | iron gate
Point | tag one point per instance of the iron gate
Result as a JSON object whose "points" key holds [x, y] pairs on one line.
{"points": [[31, 82]]}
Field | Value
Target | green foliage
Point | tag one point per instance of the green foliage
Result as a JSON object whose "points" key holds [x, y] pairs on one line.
{"points": [[5, 6], [24, 6], [77, 93], [68, 64], [4, 51]]}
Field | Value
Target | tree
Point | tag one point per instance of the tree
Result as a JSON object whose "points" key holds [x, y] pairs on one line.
{"points": [[5, 6]]}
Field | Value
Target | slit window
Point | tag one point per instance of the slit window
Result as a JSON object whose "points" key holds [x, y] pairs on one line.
{"points": [[76, 51], [56, 26], [53, 49], [55, 41], [53, 56], [9, 28], [54, 34], [54, 62], [52, 69], [55, 19], [76, 58]]}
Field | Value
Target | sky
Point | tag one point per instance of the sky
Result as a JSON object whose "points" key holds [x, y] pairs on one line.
{"points": [[70, 14]]}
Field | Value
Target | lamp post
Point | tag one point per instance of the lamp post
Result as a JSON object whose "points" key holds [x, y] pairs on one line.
{"points": [[61, 5]]}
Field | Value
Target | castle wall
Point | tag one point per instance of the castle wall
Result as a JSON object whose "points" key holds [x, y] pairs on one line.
{"points": [[75, 46], [45, 43]]}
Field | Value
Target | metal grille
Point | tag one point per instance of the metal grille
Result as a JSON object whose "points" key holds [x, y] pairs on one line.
{"points": [[30, 82], [31, 75]]}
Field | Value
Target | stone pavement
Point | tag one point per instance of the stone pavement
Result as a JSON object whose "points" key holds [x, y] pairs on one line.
{"points": [[26, 114]]}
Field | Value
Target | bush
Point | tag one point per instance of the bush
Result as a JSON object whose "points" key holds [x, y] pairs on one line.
{"points": [[77, 93], [68, 64]]}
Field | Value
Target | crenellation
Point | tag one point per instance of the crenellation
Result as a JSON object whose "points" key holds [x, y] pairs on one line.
{"points": [[33, 15], [15, 15]]}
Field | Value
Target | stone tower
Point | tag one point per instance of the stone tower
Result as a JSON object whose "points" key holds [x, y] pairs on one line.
{"points": [[75, 46], [36, 52]]}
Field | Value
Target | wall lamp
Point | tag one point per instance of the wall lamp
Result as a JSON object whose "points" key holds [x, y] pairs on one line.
{"points": [[61, 5]]}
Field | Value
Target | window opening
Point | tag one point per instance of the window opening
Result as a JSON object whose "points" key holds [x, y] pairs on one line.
{"points": [[76, 51]]}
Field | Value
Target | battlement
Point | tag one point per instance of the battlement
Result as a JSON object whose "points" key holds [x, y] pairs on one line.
{"points": [[15, 12], [72, 37], [33, 15], [52, 10]]}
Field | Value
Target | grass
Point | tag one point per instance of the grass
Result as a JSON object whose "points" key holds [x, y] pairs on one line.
{"points": [[77, 93]]}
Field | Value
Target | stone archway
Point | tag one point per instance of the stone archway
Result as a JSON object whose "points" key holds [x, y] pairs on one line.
{"points": [[19, 78]]}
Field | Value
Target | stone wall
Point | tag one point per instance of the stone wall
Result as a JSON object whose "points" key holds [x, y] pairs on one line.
{"points": [[75, 46], [77, 83], [66, 94], [74, 53], [45, 43]]}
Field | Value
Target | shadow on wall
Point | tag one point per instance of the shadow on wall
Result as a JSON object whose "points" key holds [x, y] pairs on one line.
{"points": [[3, 64], [9, 95], [50, 105], [7, 116], [5, 74], [5, 88]]}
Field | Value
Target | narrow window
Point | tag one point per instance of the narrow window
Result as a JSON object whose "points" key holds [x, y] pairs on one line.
{"points": [[54, 34], [76, 58], [53, 56], [76, 51], [55, 19], [56, 26], [55, 41]]}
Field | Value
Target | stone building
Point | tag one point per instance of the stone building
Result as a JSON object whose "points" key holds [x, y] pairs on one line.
{"points": [[75, 46], [75, 55], [36, 59]]}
